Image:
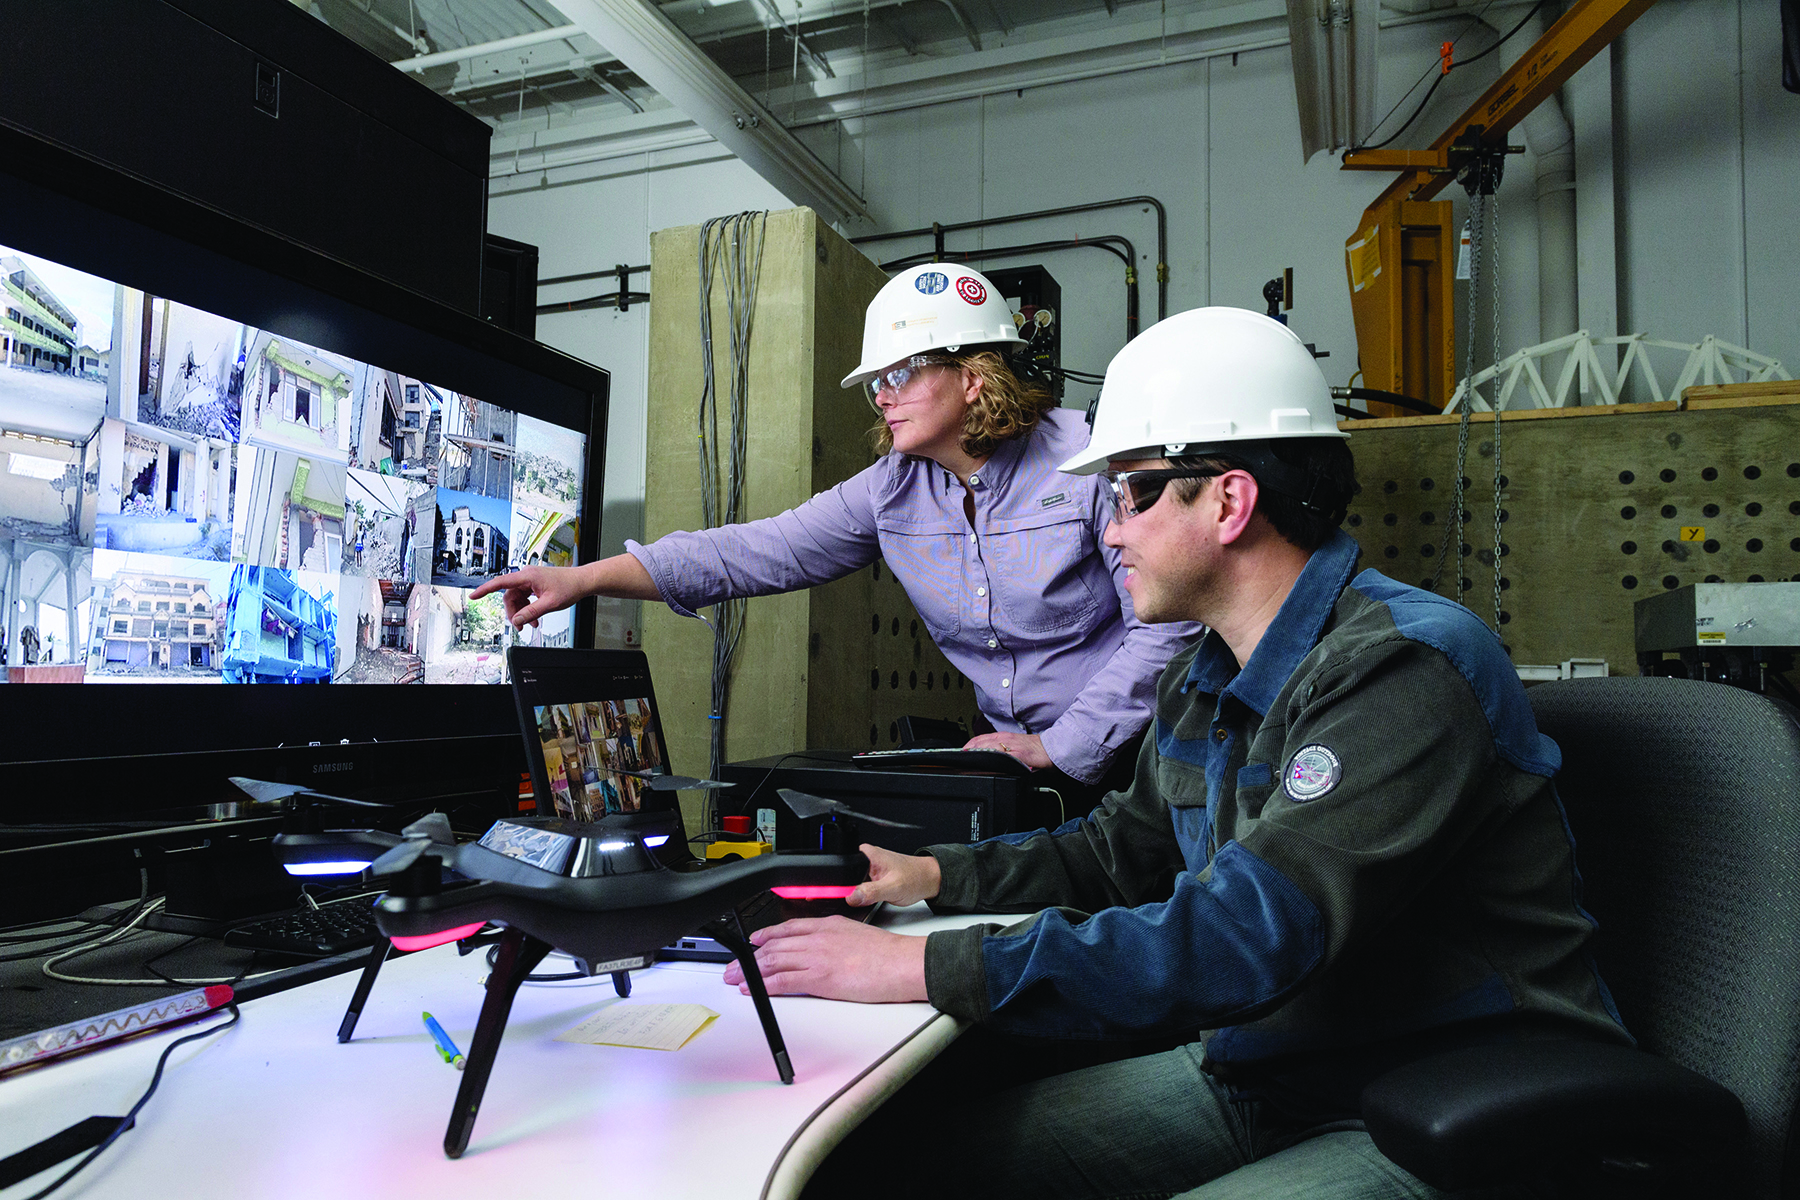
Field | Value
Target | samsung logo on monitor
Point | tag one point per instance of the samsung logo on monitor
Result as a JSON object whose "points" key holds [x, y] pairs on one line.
{"points": [[323, 768]]}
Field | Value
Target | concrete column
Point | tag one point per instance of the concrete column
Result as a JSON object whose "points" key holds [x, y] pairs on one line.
{"points": [[9, 595], [69, 573]]}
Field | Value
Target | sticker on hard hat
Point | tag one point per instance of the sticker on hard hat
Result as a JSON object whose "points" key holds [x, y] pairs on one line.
{"points": [[932, 282], [970, 289], [1313, 771], [916, 319]]}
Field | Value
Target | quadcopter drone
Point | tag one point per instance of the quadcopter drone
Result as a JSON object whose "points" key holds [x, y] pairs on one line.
{"points": [[594, 891]]}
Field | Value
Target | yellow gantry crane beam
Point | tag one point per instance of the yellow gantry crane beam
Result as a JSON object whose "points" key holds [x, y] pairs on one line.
{"points": [[1401, 260]]}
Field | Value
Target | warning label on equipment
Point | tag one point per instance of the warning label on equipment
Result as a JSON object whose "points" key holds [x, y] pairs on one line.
{"points": [[1365, 259]]}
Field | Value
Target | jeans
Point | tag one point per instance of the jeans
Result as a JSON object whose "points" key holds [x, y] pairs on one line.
{"points": [[1155, 1126]]}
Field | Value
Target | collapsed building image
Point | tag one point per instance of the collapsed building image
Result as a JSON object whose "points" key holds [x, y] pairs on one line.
{"points": [[384, 536], [479, 441], [276, 630], [182, 370], [394, 419], [471, 540], [152, 622], [381, 631], [164, 491]]}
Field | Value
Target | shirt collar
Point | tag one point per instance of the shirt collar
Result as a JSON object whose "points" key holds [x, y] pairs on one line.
{"points": [[1290, 637], [1000, 464]]}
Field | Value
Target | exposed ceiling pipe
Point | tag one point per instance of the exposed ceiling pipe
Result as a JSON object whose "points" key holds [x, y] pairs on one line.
{"points": [[445, 57], [651, 46], [1109, 243], [1162, 234]]}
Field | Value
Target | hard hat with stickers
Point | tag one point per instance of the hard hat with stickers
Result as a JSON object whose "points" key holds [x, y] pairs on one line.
{"points": [[943, 307]]}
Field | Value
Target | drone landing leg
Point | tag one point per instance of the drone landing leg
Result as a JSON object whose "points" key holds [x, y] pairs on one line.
{"points": [[377, 955], [518, 955], [727, 934]]}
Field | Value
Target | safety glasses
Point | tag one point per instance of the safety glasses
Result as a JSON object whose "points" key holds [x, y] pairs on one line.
{"points": [[1136, 491], [897, 377]]}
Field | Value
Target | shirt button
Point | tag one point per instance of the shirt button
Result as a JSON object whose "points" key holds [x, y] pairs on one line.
{"points": [[971, 537], [992, 642], [981, 591], [974, 480], [1218, 735], [1006, 683]]}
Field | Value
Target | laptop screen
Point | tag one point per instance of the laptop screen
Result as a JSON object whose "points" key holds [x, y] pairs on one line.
{"points": [[593, 739]]}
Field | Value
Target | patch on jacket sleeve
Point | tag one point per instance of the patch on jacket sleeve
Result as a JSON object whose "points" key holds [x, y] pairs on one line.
{"points": [[1313, 771]]}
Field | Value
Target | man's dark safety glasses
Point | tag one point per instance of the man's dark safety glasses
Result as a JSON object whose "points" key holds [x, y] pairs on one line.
{"points": [[1135, 491]]}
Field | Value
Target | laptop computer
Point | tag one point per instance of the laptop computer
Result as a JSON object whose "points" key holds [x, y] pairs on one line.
{"points": [[592, 733]]}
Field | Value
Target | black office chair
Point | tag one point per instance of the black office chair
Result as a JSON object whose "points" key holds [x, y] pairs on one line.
{"points": [[1684, 799]]}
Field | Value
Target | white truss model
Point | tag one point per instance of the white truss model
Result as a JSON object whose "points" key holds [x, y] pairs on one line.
{"points": [[1709, 361]]}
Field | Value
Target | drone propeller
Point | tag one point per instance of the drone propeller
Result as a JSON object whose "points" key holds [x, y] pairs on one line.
{"points": [[270, 793], [806, 805], [675, 783], [427, 833]]}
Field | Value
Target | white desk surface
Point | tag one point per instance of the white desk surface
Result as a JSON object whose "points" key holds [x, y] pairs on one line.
{"points": [[276, 1108]]}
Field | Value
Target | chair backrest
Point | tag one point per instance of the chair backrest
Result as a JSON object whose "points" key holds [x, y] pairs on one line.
{"points": [[1684, 799]]}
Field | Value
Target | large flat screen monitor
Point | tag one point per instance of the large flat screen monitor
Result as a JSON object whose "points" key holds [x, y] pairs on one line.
{"points": [[245, 492]]}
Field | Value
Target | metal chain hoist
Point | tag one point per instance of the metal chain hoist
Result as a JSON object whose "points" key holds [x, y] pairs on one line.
{"points": [[1479, 169]]}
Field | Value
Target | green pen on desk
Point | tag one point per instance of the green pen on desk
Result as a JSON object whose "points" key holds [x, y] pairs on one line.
{"points": [[445, 1047]]}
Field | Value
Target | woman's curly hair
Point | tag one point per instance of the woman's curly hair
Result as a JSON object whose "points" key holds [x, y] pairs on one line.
{"points": [[1006, 407]]}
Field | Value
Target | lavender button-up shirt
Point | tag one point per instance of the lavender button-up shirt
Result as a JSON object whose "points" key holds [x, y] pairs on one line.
{"points": [[1029, 604]]}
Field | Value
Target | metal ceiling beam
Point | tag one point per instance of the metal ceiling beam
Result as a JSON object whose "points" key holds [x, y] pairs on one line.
{"points": [[617, 93], [813, 57], [962, 18], [657, 52]]}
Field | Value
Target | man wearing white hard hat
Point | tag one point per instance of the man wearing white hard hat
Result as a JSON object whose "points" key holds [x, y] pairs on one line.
{"points": [[1000, 554], [1341, 852]]}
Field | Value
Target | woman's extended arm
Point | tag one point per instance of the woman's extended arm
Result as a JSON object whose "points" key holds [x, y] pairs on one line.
{"points": [[538, 591]]}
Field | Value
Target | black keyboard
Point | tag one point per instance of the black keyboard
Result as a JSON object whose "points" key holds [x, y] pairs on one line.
{"points": [[312, 932]]}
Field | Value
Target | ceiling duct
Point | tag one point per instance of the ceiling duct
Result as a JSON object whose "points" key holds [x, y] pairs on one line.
{"points": [[1336, 47], [662, 56]]}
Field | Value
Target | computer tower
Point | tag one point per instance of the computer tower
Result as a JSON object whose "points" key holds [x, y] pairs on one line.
{"points": [[945, 806]]}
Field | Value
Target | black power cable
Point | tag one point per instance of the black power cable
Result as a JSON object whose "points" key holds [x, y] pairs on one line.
{"points": [[1443, 74], [125, 1122]]}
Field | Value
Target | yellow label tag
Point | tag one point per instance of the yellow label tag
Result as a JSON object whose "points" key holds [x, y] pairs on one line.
{"points": [[1365, 260], [1693, 533], [1716, 636]]}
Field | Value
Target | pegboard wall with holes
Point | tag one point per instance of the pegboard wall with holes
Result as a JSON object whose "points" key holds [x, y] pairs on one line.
{"points": [[1598, 507], [906, 674]]}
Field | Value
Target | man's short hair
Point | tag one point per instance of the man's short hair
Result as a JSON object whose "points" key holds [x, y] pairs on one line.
{"points": [[1303, 485]]}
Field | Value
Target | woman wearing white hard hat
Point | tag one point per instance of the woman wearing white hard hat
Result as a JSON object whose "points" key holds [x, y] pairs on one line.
{"points": [[999, 552]]}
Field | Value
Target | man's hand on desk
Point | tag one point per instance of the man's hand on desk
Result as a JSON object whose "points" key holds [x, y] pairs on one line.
{"points": [[839, 959], [898, 879]]}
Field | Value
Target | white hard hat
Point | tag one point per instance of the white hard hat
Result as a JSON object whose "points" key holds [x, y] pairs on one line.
{"points": [[936, 306], [1202, 379]]}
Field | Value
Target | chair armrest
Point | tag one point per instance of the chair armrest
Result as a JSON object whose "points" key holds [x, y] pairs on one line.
{"points": [[1484, 1114]]}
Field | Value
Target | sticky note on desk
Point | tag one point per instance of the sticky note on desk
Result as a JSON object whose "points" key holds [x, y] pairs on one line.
{"points": [[643, 1026]]}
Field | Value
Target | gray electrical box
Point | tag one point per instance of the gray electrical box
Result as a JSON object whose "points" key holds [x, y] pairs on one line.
{"points": [[1743, 634], [1719, 615]]}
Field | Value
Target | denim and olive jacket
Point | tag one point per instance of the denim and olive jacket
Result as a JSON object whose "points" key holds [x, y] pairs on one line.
{"points": [[1352, 840]]}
